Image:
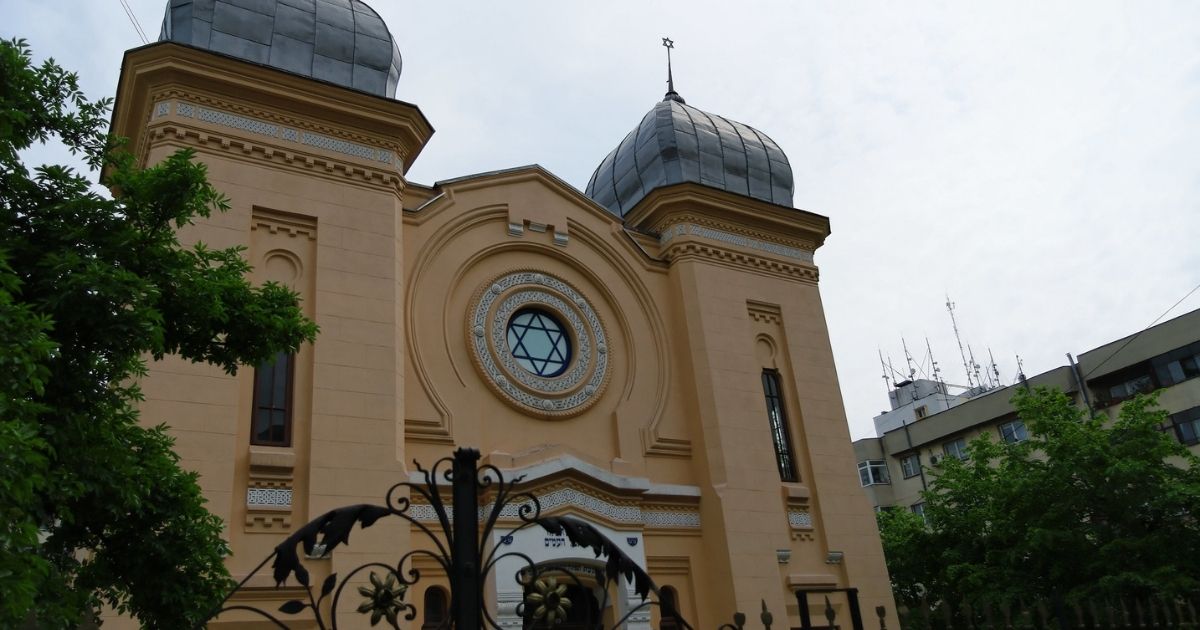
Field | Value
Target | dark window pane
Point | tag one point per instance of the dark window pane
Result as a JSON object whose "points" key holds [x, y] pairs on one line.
{"points": [[778, 422], [272, 402]]}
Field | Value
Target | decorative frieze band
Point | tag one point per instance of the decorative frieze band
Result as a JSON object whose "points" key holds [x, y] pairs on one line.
{"points": [[269, 497], [681, 229], [625, 514], [272, 130], [800, 519]]}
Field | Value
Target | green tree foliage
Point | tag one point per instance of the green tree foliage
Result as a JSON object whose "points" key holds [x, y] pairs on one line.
{"points": [[94, 508], [1085, 508]]}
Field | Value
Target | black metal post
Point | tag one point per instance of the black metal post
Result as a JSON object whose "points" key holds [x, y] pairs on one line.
{"points": [[805, 617], [855, 613], [464, 578]]}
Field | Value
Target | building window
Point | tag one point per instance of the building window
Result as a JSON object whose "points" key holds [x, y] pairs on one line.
{"points": [[919, 510], [1013, 432], [539, 342], [779, 429], [872, 472], [910, 465], [921, 411], [1178, 365], [272, 422], [437, 608], [668, 608], [955, 448], [1187, 425]]}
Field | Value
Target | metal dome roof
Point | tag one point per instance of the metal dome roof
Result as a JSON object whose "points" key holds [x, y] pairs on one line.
{"points": [[340, 41], [678, 143]]}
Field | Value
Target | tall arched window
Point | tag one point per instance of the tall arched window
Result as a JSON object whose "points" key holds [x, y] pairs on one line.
{"points": [[668, 604], [784, 458], [436, 610], [272, 421]]}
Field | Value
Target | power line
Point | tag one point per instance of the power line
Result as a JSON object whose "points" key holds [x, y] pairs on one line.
{"points": [[1135, 335], [133, 20]]}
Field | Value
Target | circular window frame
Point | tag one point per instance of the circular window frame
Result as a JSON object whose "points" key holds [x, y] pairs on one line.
{"points": [[581, 381]]}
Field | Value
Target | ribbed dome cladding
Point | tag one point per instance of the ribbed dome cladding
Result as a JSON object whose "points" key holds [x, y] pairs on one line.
{"points": [[678, 143], [339, 41]]}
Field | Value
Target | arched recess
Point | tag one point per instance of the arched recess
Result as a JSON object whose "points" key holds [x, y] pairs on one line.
{"points": [[431, 256], [435, 611]]}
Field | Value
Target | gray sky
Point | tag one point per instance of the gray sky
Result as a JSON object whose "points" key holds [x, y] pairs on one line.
{"points": [[1039, 162]]}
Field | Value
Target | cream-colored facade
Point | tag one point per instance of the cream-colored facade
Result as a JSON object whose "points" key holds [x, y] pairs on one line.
{"points": [[657, 430], [1165, 357]]}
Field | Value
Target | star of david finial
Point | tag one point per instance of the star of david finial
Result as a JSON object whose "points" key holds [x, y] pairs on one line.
{"points": [[672, 95]]}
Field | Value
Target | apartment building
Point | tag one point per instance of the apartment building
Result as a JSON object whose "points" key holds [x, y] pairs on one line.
{"points": [[927, 423]]}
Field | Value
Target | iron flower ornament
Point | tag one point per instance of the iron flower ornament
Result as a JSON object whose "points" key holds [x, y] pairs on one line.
{"points": [[549, 597], [384, 599]]}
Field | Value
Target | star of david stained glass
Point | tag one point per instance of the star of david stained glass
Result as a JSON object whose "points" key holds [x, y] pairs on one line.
{"points": [[538, 342]]}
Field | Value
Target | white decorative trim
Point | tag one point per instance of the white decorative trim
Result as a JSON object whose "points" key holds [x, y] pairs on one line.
{"points": [[671, 518], [800, 519], [226, 119], [264, 128], [269, 497], [586, 374], [581, 501], [733, 239]]}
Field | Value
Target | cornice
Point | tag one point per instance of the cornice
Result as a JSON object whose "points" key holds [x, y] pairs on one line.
{"points": [[158, 68], [701, 204], [254, 152]]}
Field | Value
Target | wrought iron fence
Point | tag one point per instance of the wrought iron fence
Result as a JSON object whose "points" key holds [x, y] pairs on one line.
{"points": [[1118, 614], [460, 547]]}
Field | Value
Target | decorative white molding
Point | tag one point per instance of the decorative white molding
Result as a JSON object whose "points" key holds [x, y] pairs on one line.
{"points": [[269, 497], [572, 498], [272, 130], [800, 519], [692, 229]]}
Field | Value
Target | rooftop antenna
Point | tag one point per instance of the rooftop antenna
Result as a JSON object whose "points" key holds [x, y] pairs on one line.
{"points": [[886, 378], [974, 366], [672, 95], [912, 372], [995, 370], [958, 338], [937, 371], [1020, 369]]}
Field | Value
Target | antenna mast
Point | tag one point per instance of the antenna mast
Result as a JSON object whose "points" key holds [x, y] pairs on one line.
{"points": [[958, 338], [886, 378], [995, 370], [937, 371]]}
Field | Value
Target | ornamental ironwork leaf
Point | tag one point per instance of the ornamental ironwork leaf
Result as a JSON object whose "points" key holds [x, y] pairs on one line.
{"points": [[328, 584], [333, 527], [292, 606], [583, 534]]}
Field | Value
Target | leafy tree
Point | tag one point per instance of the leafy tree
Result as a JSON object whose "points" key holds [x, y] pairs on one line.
{"points": [[94, 508], [1086, 508]]}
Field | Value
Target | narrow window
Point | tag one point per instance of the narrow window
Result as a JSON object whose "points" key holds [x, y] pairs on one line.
{"points": [[919, 510], [668, 613], [272, 422], [436, 608], [779, 431], [910, 465]]}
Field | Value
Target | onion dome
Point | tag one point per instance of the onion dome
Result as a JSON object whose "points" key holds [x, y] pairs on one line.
{"points": [[340, 41], [677, 143]]}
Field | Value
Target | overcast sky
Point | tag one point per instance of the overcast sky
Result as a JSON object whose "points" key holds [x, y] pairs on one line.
{"points": [[1038, 162]]}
